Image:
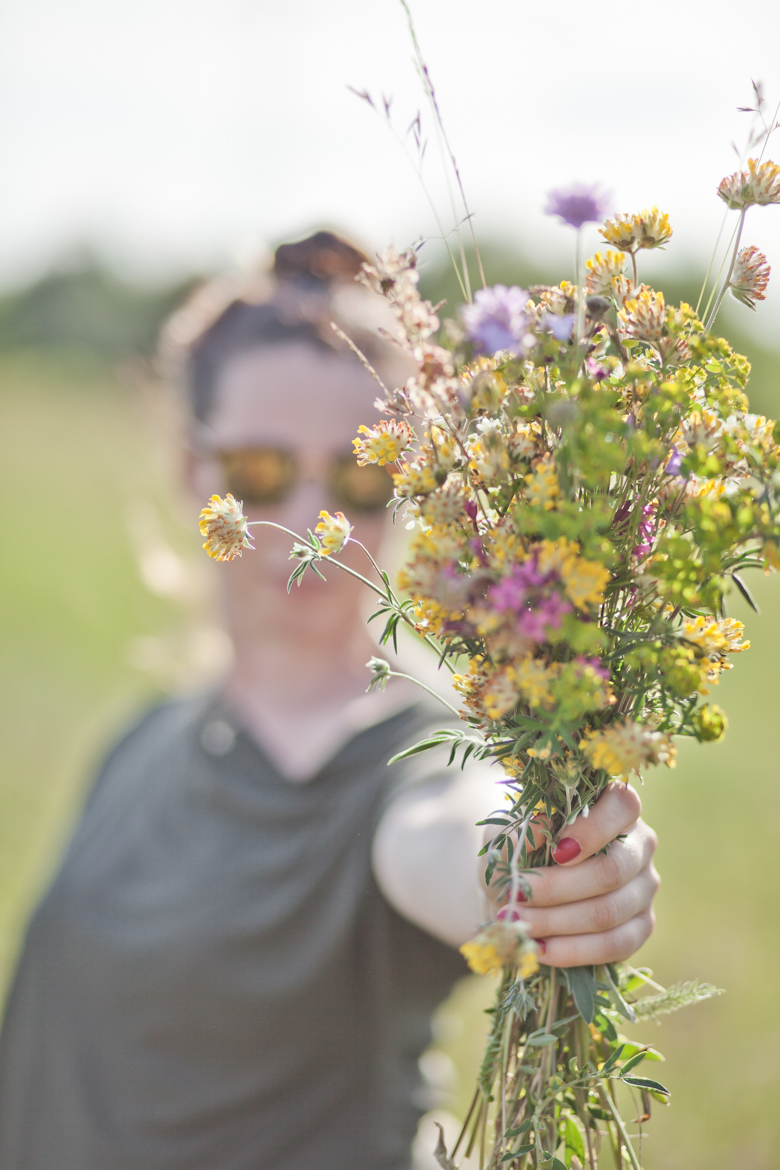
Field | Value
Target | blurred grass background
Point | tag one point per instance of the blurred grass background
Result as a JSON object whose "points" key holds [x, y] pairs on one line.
{"points": [[105, 605]]}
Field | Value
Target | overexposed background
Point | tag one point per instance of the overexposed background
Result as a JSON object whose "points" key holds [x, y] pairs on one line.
{"points": [[179, 134], [142, 144]]}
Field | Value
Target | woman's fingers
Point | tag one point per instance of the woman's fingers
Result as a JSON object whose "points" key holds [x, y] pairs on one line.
{"points": [[614, 813], [608, 946], [594, 915], [555, 884]]}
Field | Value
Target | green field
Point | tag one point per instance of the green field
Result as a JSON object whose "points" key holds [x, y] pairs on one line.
{"points": [[85, 643]]}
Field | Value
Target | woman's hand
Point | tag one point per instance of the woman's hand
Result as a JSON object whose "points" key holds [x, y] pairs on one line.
{"points": [[593, 907]]}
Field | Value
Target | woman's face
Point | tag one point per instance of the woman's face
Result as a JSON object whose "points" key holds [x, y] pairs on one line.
{"points": [[298, 399]]}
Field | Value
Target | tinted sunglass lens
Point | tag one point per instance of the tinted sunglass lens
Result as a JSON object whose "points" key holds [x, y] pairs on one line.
{"points": [[364, 489], [259, 475]]}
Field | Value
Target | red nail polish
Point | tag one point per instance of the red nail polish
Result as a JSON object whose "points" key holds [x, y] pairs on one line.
{"points": [[509, 914], [566, 850], [542, 945], [520, 896]]}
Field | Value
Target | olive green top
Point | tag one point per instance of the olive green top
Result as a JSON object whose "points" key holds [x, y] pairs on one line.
{"points": [[214, 980]]}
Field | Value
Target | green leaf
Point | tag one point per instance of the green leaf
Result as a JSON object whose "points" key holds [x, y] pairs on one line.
{"points": [[582, 986], [646, 1083], [573, 1139], [613, 1059], [547, 1038], [632, 1062], [510, 1133], [518, 1152], [557, 1164], [620, 1004]]}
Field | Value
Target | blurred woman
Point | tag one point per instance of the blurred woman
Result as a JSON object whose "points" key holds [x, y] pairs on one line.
{"points": [[236, 965]]}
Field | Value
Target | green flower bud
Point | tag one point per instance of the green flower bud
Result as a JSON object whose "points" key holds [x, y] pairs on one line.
{"points": [[709, 723]]}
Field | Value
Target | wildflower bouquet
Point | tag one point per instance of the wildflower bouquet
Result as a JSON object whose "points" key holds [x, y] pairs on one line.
{"points": [[586, 486]]}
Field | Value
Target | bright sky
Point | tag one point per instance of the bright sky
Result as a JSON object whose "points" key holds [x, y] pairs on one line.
{"points": [[172, 134]]}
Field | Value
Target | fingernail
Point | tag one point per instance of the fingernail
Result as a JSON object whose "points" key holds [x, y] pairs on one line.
{"points": [[566, 850], [508, 914], [520, 896], [542, 945]]}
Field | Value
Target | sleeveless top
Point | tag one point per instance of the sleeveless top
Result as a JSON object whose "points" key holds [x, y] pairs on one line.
{"points": [[214, 980]]}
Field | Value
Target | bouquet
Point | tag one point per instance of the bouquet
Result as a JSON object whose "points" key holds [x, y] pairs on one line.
{"points": [[586, 486]]}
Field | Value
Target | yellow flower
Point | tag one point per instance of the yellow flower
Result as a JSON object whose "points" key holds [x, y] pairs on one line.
{"points": [[384, 443], [441, 448], [414, 479], [584, 581], [532, 678], [627, 747], [224, 525], [430, 617], [602, 269], [647, 229], [759, 184], [446, 505], [646, 318], [542, 487], [714, 636], [333, 532], [488, 454], [501, 944], [501, 694]]}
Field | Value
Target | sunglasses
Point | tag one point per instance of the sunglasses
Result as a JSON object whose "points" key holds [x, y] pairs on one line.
{"points": [[268, 475]]}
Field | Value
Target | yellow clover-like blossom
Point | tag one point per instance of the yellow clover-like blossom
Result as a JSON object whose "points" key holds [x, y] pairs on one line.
{"points": [[759, 184], [627, 747], [414, 480], [647, 229], [384, 443], [333, 532], [501, 944], [224, 526], [715, 636], [602, 269], [542, 487], [584, 581]]}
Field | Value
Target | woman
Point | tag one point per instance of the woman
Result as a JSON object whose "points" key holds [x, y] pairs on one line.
{"points": [[235, 967]]}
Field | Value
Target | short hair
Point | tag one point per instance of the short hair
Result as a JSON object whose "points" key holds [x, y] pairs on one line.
{"points": [[310, 287]]}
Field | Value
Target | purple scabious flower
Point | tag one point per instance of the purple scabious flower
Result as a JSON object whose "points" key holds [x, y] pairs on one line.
{"points": [[560, 327], [578, 204], [498, 319]]}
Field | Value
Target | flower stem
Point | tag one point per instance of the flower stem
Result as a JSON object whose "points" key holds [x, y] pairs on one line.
{"points": [[607, 1099], [386, 594], [416, 681], [724, 288], [580, 327]]}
